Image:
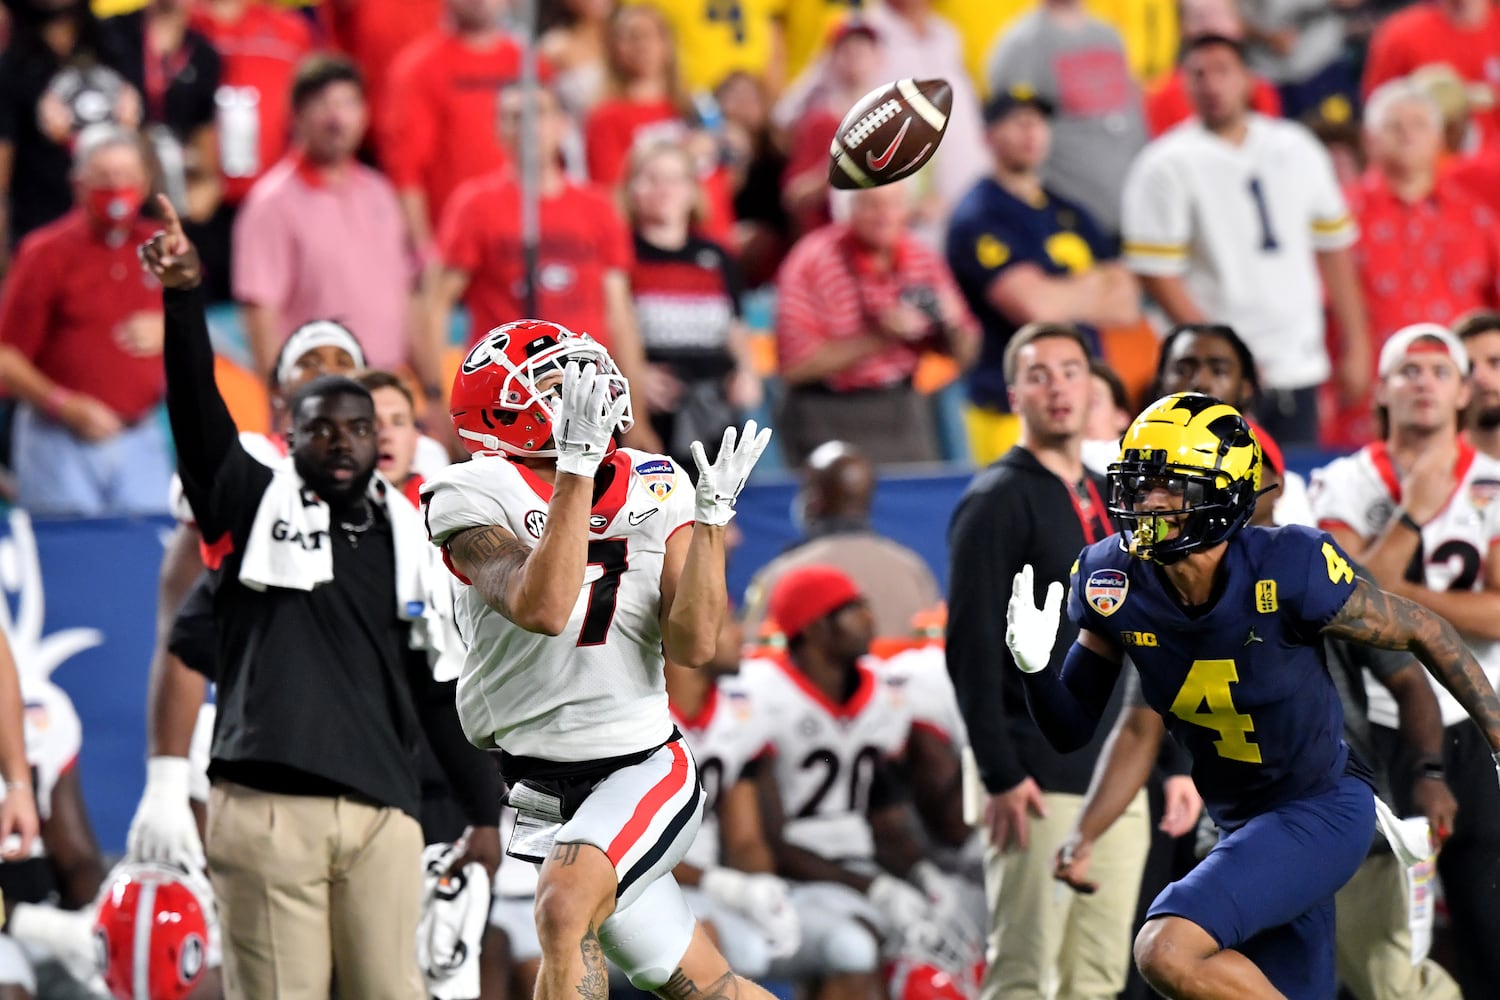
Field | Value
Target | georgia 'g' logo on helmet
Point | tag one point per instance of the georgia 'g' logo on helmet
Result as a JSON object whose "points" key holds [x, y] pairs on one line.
{"points": [[489, 351], [1203, 452], [505, 391]]}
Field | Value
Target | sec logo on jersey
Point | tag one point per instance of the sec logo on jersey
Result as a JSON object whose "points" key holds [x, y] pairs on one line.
{"points": [[1105, 590], [658, 476]]}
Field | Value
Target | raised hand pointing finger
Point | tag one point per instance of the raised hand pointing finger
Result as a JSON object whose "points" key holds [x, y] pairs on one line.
{"points": [[169, 255]]}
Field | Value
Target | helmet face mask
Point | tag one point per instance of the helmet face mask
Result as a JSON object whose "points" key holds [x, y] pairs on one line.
{"points": [[507, 390], [1202, 453]]}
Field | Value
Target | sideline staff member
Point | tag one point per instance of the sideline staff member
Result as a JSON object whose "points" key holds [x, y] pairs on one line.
{"points": [[313, 846], [1036, 505]]}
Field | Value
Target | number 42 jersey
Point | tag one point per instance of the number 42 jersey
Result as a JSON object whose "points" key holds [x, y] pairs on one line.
{"points": [[597, 690], [1240, 681]]}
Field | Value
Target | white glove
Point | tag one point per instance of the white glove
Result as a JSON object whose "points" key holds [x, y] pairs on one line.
{"points": [[720, 483], [760, 898], [66, 935], [163, 829], [586, 419], [1029, 630], [944, 892], [902, 904]]}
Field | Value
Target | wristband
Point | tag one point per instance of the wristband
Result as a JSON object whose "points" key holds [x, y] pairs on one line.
{"points": [[18, 786], [1409, 521], [1432, 769]]}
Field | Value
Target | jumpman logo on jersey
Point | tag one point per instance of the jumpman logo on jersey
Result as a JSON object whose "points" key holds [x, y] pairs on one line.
{"points": [[1252, 638]]}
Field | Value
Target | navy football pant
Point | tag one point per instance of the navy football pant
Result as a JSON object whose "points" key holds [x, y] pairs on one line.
{"points": [[1267, 889]]}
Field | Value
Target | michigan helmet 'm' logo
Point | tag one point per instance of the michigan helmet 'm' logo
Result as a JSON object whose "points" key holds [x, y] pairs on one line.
{"points": [[1105, 590], [1189, 430]]}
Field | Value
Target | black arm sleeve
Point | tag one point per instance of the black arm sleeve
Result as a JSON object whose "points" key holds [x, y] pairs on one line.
{"points": [[983, 561], [1067, 704], [202, 429], [472, 775]]}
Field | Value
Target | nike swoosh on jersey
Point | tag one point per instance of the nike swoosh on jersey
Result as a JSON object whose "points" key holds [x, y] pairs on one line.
{"points": [[636, 517], [879, 162]]}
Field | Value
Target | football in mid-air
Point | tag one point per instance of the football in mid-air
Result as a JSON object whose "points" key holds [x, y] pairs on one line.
{"points": [[891, 132]]}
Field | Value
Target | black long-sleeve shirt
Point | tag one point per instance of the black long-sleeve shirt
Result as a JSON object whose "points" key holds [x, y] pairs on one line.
{"points": [[318, 692], [1015, 512]]}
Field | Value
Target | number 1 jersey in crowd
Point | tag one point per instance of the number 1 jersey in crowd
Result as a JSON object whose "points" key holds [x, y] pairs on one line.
{"points": [[597, 690], [1241, 681]]}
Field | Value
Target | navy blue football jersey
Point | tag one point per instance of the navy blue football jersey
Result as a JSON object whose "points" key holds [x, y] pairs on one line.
{"points": [[1241, 681]]}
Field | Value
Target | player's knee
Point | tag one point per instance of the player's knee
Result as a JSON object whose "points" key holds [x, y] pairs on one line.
{"points": [[567, 905], [1153, 953], [849, 948], [1160, 956]]}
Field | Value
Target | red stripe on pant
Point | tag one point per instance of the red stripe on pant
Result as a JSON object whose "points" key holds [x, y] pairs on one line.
{"points": [[645, 811]]}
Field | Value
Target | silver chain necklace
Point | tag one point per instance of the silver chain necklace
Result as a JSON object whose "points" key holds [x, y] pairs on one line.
{"points": [[353, 531]]}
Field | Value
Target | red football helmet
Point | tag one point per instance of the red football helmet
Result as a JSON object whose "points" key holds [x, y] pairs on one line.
{"points": [[498, 403], [153, 932], [938, 961]]}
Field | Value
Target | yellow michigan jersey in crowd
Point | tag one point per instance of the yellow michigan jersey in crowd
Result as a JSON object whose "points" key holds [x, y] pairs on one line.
{"points": [[1147, 27], [718, 37]]}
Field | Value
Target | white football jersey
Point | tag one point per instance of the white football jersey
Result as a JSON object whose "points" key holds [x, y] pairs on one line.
{"points": [[1361, 492], [597, 690], [1240, 225], [826, 755], [919, 679], [724, 737]]}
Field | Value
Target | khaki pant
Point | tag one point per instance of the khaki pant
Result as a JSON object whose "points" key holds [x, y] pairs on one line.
{"points": [[1047, 941], [1374, 941], [312, 893]]}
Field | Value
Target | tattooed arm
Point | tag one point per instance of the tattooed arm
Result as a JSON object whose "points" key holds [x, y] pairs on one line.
{"points": [[1375, 618], [536, 588]]}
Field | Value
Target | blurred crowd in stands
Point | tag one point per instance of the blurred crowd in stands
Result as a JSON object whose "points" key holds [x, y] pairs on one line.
{"points": [[1316, 175]]}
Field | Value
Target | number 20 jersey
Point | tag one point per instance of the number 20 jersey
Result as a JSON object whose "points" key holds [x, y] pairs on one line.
{"points": [[1241, 681], [597, 690], [825, 755], [1361, 492]]}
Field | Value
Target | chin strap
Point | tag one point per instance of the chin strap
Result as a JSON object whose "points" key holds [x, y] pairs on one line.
{"points": [[491, 443]]}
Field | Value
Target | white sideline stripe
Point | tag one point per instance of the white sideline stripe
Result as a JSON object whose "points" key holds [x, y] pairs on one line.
{"points": [[921, 105]]}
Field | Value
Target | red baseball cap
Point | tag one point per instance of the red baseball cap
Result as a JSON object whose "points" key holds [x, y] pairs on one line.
{"points": [[808, 593], [849, 27]]}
